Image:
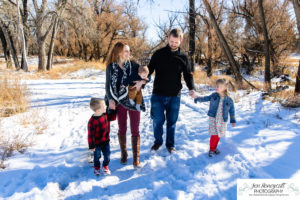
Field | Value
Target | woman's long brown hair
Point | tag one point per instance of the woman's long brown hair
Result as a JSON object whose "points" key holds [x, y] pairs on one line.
{"points": [[115, 52]]}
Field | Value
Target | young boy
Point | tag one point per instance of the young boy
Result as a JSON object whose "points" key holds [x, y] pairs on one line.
{"points": [[98, 134], [136, 97]]}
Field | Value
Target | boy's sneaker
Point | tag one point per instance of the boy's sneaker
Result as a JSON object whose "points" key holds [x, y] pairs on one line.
{"points": [[97, 171], [217, 151], [210, 154], [138, 107], [106, 170], [131, 102]]}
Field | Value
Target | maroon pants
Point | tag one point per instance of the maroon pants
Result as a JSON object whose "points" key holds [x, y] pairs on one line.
{"points": [[122, 121], [214, 140]]}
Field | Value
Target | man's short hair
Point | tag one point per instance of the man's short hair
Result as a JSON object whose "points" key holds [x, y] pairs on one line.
{"points": [[176, 32], [96, 103]]}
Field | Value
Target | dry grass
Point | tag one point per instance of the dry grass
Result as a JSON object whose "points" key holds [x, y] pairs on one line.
{"points": [[285, 94], [36, 119], [12, 95], [258, 84], [291, 102], [61, 69], [291, 73], [289, 61], [286, 98], [8, 145], [200, 77]]}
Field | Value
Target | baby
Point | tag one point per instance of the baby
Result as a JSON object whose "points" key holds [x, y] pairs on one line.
{"points": [[136, 97]]}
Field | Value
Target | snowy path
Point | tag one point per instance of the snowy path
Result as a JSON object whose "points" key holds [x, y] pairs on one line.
{"points": [[264, 145]]}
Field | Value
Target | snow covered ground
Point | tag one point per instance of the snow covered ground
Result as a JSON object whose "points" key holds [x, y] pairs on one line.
{"points": [[265, 144]]}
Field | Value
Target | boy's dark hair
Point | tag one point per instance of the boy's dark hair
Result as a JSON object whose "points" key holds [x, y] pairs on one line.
{"points": [[95, 103], [143, 69], [176, 32]]}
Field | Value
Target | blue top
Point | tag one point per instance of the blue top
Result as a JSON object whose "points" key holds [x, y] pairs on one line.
{"points": [[214, 99], [134, 76]]}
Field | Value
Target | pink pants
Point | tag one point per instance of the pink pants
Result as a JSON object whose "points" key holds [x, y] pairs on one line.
{"points": [[214, 140], [122, 121]]}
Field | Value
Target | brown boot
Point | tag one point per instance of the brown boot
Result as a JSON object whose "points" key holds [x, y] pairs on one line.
{"points": [[122, 141], [135, 141]]}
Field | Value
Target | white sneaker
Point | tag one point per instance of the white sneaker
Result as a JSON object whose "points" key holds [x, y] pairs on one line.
{"points": [[97, 171], [106, 170]]}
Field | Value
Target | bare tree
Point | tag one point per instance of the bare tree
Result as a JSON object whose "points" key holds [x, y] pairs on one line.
{"points": [[41, 17], [164, 28], [279, 24], [9, 39], [60, 9], [207, 39], [192, 30], [296, 5], [23, 13], [20, 28], [5, 50], [266, 46], [227, 51]]}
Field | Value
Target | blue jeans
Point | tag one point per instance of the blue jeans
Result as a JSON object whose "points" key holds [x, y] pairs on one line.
{"points": [[164, 108], [105, 149]]}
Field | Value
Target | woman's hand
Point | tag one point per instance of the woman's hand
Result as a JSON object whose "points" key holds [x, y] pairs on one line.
{"points": [[138, 84], [112, 104], [233, 124]]}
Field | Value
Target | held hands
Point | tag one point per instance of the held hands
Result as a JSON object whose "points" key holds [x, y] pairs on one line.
{"points": [[194, 96], [192, 93], [112, 104]]}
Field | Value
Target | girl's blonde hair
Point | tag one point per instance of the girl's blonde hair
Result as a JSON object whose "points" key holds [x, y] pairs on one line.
{"points": [[227, 84]]}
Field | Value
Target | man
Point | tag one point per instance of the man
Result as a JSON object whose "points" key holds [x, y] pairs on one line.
{"points": [[169, 63]]}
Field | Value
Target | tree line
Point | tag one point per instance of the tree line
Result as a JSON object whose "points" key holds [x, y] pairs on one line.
{"points": [[85, 29], [242, 33]]}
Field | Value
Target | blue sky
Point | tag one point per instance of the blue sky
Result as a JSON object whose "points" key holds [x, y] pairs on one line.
{"points": [[155, 12]]}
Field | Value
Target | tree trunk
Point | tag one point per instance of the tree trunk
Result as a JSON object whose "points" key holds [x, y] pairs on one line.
{"points": [[266, 46], [296, 5], [247, 63], [41, 55], [192, 29], [24, 54], [9, 40], [224, 45], [297, 86], [5, 50], [209, 52], [51, 47]]}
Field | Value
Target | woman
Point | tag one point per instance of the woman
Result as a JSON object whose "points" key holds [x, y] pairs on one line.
{"points": [[118, 69]]}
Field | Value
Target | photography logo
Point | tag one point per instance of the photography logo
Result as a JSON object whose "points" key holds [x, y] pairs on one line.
{"points": [[257, 189]]}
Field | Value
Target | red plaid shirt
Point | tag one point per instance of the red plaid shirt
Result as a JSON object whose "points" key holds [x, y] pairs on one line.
{"points": [[98, 129]]}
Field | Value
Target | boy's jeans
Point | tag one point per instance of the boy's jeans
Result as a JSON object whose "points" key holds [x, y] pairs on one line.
{"points": [[105, 149], [162, 108]]}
